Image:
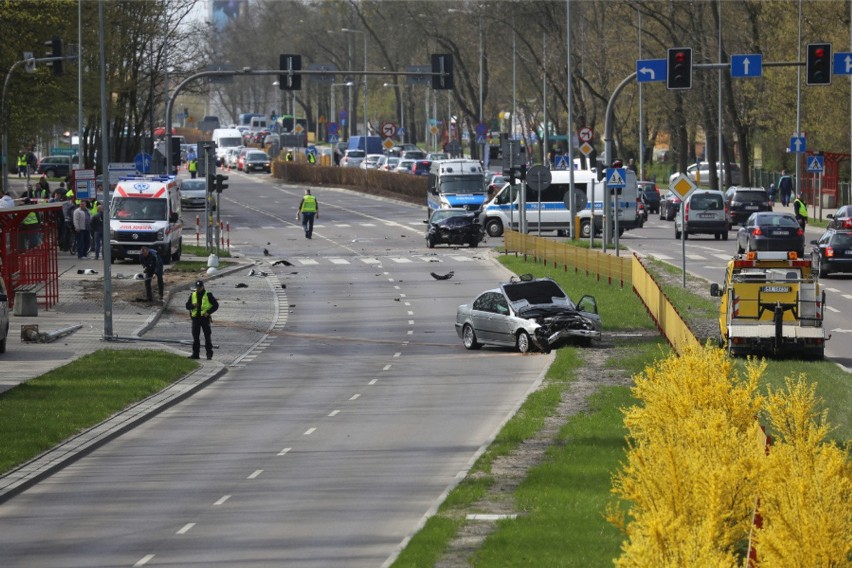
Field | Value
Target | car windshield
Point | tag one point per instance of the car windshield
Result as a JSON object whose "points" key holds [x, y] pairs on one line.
{"points": [[751, 196], [438, 216], [707, 202], [355, 153], [842, 240], [193, 185], [257, 156], [138, 209], [230, 142], [777, 221], [461, 184]]}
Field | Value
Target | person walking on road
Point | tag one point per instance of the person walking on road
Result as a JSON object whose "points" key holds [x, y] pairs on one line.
{"points": [[309, 210], [82, 221], [97, 225], [201, 305], [785, 188], [152, 265], [800, 209]]}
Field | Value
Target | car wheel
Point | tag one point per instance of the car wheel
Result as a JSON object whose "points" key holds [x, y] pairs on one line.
{"points": [[166, 254], [725, 236], [3, 341], [494, 227], [430, 242], [677, 233], [740, 249], [474, 242], [585, 229], [686, 235], [662, 216], [176, 256], [717, 236], [523, 342], [469, 337]]}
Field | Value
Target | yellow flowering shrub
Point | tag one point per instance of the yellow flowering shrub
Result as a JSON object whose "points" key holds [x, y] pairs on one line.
{"points": [[805, 486]]}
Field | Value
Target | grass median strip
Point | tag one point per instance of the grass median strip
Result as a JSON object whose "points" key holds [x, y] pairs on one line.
{"points": [[40, 413]]}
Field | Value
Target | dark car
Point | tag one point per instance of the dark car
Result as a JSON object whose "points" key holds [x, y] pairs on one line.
{"points": [[4, 316], [771, 231], [841, 219], [421, 167], [55, 166], [454, 227], [743, 201], [650, 196], [832, 252], [669, 206], [256, 161]]}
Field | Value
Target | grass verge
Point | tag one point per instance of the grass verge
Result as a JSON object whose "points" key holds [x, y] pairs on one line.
{"points": [[42, 412], [202, 251]]}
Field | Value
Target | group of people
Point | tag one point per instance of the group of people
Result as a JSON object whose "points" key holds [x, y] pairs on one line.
{"points": [[27, 163]]}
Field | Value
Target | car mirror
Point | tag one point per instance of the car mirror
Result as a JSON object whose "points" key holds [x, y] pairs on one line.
{"points": [[814, 243], [715, 290], [830, 216]]}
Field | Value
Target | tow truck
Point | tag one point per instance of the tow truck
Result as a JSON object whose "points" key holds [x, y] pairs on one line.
{"points": [[771, 304]]}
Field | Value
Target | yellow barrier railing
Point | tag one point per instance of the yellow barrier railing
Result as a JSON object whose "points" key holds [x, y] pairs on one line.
{"points": [[626, 270]]}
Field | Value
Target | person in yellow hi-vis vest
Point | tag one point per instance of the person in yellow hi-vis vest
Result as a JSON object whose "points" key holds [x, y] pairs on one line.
{"points": [[308, 210], [22, 163], [201, 305], [800, 209], [193, 167]]}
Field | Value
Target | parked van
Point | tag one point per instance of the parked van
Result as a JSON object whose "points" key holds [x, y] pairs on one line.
{"points": [[503, 209], [369, 144], [225, 139], [258, 123], [456, 183], [145, 210]]}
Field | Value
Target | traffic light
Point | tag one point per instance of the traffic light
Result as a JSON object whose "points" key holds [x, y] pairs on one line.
{"points": [[292, 79], [55, 46], [679, 70], [220, 184], [442, 63], [818, 64]]}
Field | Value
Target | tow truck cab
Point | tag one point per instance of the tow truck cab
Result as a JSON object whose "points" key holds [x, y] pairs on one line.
{"points": [[771, 304]]}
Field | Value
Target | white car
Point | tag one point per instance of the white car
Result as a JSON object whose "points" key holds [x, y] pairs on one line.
{"points": [[389, 163], [352, 158], [232, 155], [371, 162], [404, 166]]}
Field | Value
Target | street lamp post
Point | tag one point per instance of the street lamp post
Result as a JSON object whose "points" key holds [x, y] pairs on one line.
{"points": [[351, 31], [333, 101], [401, 106]]}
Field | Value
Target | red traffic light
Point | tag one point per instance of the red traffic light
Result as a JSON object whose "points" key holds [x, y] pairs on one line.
{"points": [[819, 52], [680, 57]]}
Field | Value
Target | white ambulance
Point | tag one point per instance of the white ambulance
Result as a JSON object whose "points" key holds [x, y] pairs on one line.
{"points": [[145, 210]]}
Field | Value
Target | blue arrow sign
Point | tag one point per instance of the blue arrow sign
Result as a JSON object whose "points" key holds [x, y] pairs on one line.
{"points": [[797, 144], [143, 163], [332, 127], [842, 64], [616, 177], [815, 164], [650, 70], [747, 66]]}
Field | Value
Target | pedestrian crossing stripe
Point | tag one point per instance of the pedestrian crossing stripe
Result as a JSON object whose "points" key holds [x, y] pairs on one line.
{"points": [[338, 261], [372, 261]]}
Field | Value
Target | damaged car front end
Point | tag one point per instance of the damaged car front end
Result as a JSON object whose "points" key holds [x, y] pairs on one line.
{"points": [[454, 227], [529, 314]]}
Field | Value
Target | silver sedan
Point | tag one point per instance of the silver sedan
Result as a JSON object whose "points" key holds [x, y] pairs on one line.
{"points": [[527, 314]]}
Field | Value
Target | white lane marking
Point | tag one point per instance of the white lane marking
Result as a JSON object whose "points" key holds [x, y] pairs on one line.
{"points": [[374, 381], [695, 257], [723, 256], [385, 273], [833, 290], [847, 296], [370, 260], [333, 413], [832, 309], [338, 261], [400, 260], [342, 225], [368, 224], [390, 279], [402, 295], [222, 500], [405, 342], [255, 474], [410, 322], [309, 431], [355, 396], [185, 528], [387, 367], [662, 257], [144, 560], [307, 261], [396, 287], [410, 312], [460, 258], [397, 354], [410, 332], [408, 303], [284, 451]]}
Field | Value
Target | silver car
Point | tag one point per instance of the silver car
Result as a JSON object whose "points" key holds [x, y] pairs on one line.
{"points": [[193, 192], [527, 313]]}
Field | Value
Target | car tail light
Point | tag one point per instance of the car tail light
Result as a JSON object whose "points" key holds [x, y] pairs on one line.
{"points": [[799, 232], [756, 231], [847, 223], [829, 251], [686, 212]]}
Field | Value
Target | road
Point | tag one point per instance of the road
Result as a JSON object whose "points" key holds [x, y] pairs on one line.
{"points": [[326, 449], [707, 257]]}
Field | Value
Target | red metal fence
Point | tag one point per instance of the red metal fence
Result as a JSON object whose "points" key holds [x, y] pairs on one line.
{"points": [[29, 251]]}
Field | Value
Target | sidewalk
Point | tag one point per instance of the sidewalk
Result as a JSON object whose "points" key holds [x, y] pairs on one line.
{"points": [[246, 317]]}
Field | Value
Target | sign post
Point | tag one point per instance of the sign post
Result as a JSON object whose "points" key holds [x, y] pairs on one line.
{"points": [[683, 187]]}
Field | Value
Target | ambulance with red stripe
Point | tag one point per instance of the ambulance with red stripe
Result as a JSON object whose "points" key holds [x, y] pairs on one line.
{"points": [[772, 304], [145, 210]]}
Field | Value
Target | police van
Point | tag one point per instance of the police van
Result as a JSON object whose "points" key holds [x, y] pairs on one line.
{"points": [[456, 184], [145, 210], [549, 211]]}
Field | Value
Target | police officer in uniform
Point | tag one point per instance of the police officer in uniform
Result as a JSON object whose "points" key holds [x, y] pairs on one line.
{"points": [[308, 209], [801, 211], [201, 304]]}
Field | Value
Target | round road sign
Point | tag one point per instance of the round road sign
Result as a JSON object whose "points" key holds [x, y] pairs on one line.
{"points": [[586, 134], [388, 129], [538, 178]]}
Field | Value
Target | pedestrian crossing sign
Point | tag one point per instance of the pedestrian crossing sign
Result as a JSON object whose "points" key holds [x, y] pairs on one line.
{"points": [[615, 177], [815, 164]]}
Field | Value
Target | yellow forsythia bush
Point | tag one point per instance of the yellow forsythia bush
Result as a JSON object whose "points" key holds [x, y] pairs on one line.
{"points": [[695, 467]]}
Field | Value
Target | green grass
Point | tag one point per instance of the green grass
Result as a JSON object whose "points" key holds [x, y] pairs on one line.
{"points": [[690, 306], [40, 413], [203, 251]]}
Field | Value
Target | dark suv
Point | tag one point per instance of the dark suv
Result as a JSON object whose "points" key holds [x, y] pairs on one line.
{"points": [[650, 196], [743, 201]]}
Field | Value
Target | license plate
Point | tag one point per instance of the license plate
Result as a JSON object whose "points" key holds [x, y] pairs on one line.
{"points": [[751, 207], [848, 252], [779, 289], [780, 233], [705, 216], [131, 251]]}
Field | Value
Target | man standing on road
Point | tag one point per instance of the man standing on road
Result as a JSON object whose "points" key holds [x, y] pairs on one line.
{"points": [[309, 210], [785, 188], [201, 305], [82, 221], [800, 209], [152, 265]]}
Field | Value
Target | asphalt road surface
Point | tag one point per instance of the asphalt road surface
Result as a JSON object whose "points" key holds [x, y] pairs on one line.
{"points": [[325, 449]]}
